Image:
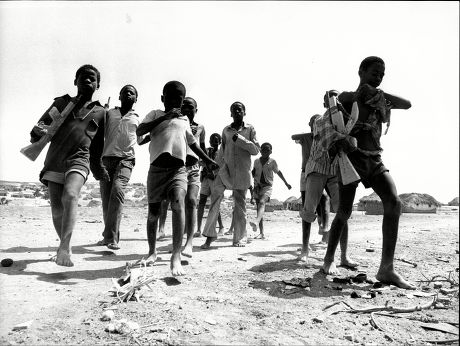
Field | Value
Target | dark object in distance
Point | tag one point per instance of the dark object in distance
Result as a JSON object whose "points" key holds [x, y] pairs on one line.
{"points": [[7, 262]]}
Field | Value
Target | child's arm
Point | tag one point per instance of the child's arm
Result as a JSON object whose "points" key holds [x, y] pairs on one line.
{"points": [[95, 154], [141, 140], [251, 146], [283, 179], [202, 155], [397, 102], [147, 127]]}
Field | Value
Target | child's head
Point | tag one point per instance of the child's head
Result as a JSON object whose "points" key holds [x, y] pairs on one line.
{"points": [[215, 140], [265, 149], [238, 111], [371, 71], [128, 95], [87, 79], [189, 108], [312, 121], [173, 95]]}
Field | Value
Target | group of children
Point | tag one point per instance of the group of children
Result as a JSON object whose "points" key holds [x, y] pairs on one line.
{"points": [[183, 173]]}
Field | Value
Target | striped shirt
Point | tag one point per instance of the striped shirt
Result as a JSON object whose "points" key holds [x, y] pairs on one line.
{"points": [[324, 135]]}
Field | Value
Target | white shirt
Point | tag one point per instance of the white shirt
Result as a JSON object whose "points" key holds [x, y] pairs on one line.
{"points": [[171, 136]]}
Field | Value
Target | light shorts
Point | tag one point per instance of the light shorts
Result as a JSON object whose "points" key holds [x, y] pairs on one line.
{"points": [[302, 181], [59, 178], [193, 175], [206, 187], [160, 181], [263, 193], [314, 187]]}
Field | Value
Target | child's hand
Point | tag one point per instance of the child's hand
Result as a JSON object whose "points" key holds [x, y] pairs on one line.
{"points": [[212, 165], [40, 129], [105, 175], [173, 113]]}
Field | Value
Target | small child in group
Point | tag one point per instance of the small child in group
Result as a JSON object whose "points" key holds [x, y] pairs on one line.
{"points": [[374, 109], [263, 170], [320, 175], [239, 143], [75, 149], [306, 140], [170, 133], [207, 177], [119, 159]]}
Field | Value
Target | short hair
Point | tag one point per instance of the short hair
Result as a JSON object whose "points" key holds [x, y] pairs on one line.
{"points": [[234, 104], [216, 135], [88, 67], [127, 86], [367, 62], [192, 100], [174, 86], [266, 144]]}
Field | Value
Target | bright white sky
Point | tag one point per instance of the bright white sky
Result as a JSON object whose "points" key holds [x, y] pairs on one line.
{"points": [[276, 57]]}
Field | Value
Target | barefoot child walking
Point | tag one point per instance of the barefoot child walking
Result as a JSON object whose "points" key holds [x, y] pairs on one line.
{"points": [[75, 149], [118, 158], [263, 170], [170, 133], [374, 109]]}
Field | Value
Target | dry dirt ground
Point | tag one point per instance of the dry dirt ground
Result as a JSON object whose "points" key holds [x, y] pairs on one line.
{"points": [[229, 296]]}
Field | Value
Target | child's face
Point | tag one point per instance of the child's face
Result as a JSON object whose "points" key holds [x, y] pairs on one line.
{"points": [[238, 112], [373, 75], [128, 95], [265, 151], [86, 82], [214, 141], [173, 99], [189, 109]]}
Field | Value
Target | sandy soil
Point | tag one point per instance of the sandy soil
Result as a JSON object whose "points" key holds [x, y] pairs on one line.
{"points": [[229, 295]]}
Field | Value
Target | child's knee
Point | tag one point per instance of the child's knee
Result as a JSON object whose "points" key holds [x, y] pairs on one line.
{"points": [[190, 202], [393, 205]]}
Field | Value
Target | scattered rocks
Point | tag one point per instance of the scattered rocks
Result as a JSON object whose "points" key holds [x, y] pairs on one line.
{"points": [[24, 325], [122, 326], [107, 315]]}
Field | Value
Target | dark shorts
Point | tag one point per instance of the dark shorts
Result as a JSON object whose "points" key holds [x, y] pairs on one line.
{"points": [[60, 177], [368, 167], [160, 181]]}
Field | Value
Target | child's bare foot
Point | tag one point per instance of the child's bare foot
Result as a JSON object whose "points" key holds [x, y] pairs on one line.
{"points": [[329, 268], [221, 231], [229, 232], [161, 235], [303, 256], [346, 262], [260, 236], [151, 259], [176, 266], [187, 251], [393, 278], [197, 235], [207, 243], [63, 258], [239, 244]]}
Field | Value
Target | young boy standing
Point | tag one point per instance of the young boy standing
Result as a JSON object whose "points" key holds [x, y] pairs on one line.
{"points": [[263, 170], [374, 109], [119, 160], [170, 134], [322, 210], [74, 150], [239, 143], [207, 178]]}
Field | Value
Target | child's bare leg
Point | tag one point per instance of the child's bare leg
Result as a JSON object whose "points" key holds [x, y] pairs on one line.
{"points": [[260, 204], [70, 193], [152, 227], [177, 196], [219, 221], [200, 213], [261, 227], [346, 198], [344, 259], [57, 209], [190, 218], [162, 219], [306, 227], [384, 186]]}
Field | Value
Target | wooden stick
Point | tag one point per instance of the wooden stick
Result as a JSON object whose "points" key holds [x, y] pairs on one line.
{"points": [[447, 341]]}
